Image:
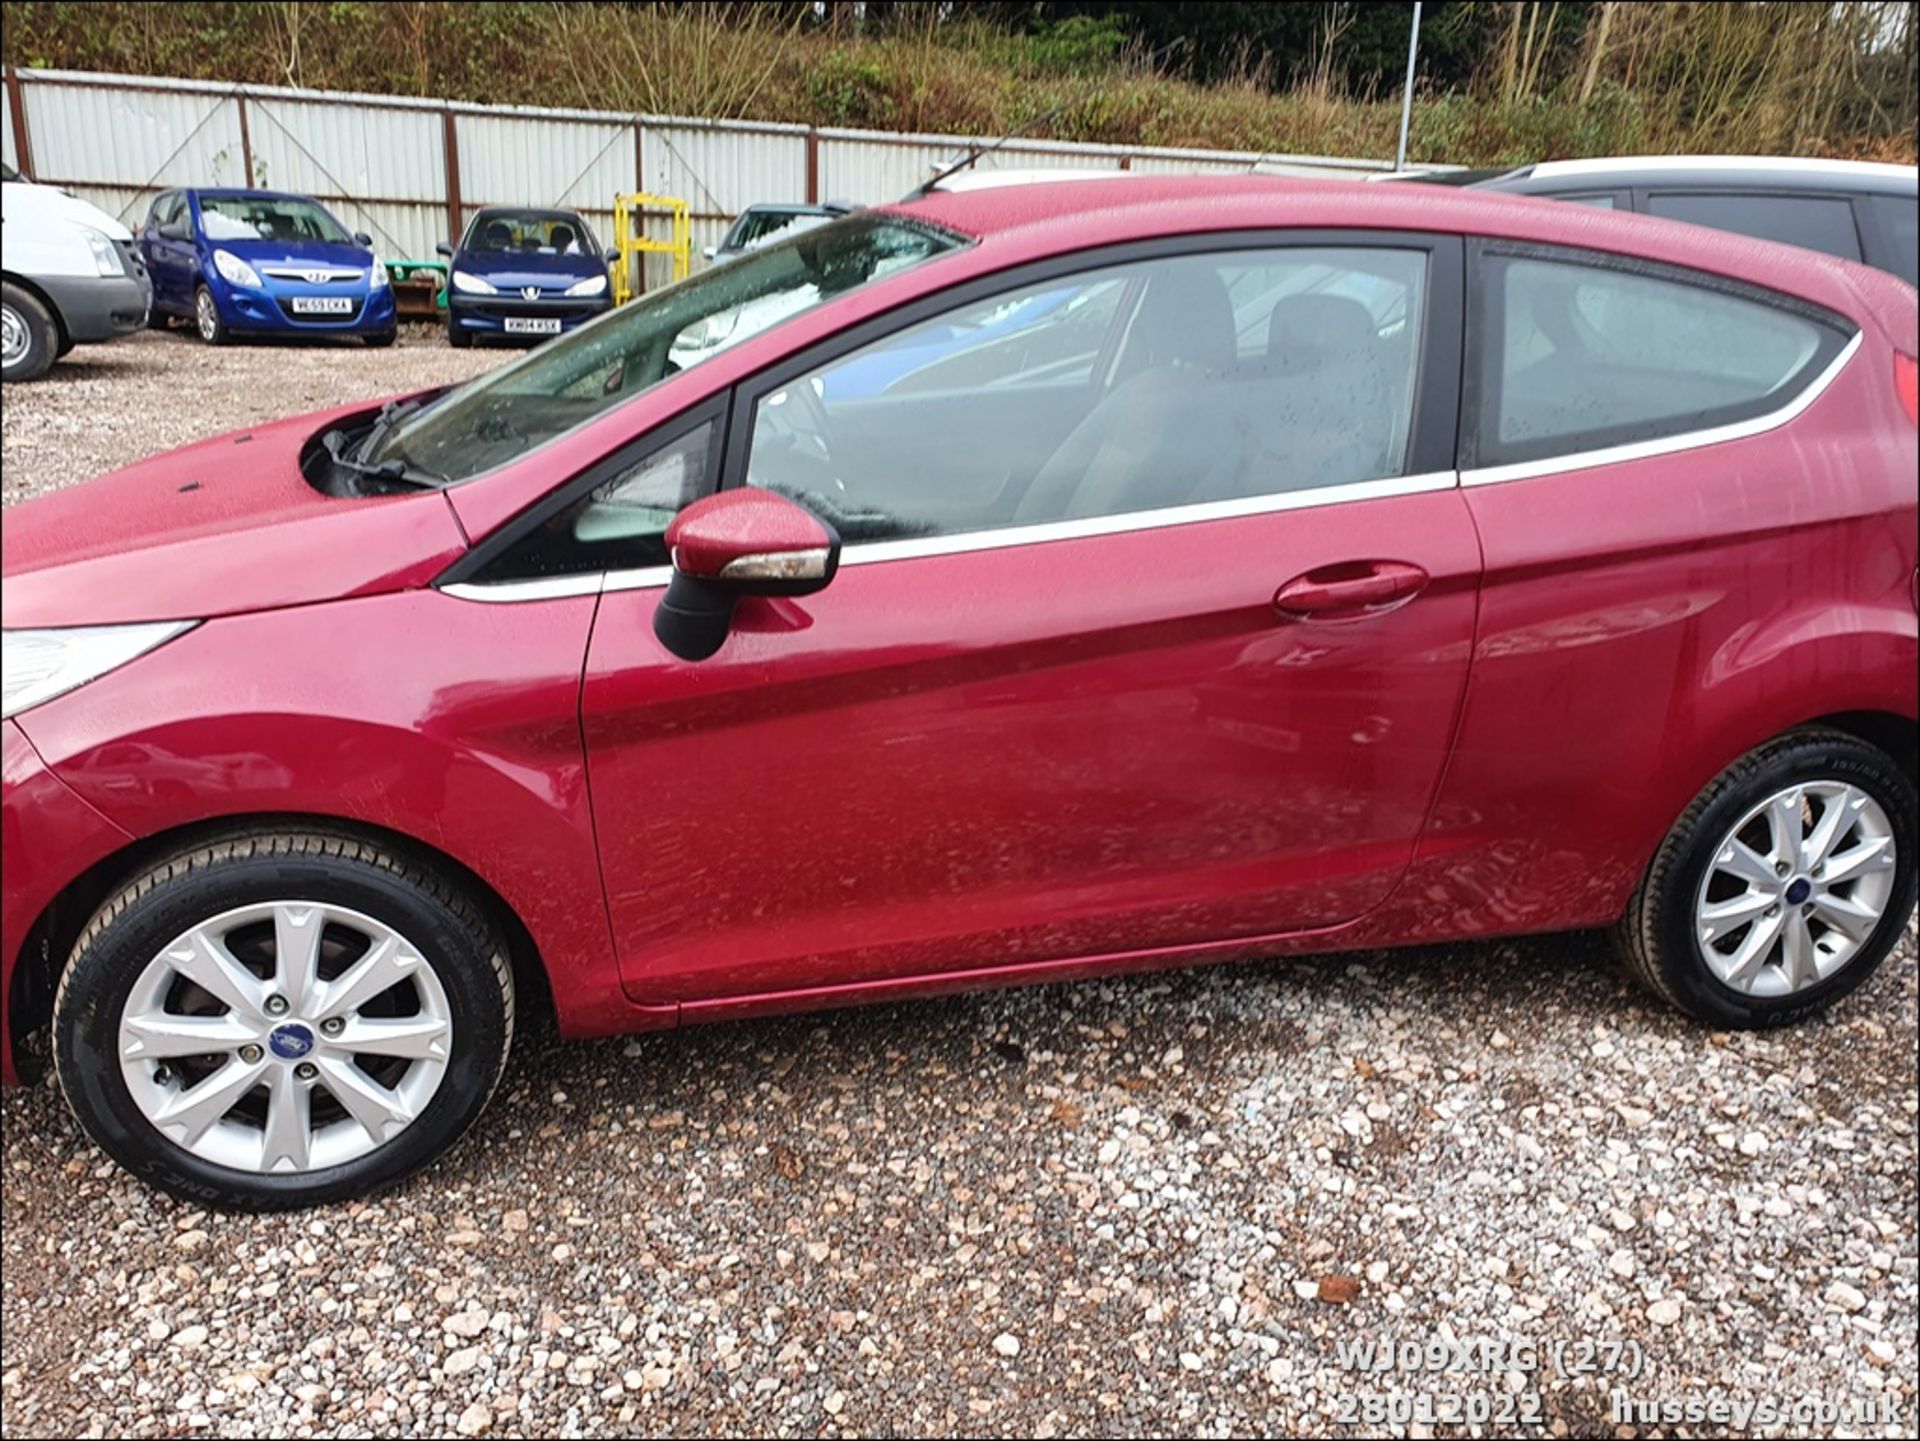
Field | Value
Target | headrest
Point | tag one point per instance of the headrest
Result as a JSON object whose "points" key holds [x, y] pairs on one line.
{"points": [[1309, 330]]}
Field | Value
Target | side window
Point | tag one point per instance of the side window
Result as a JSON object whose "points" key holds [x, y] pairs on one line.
{"points": [[1599, 199], [621, 523], [1578, 357], [1808, 221], [1898, 219], [1165, 383]]}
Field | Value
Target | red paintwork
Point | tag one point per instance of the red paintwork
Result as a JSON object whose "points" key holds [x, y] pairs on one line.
{"points": [[1010, 755], [708, 534], [1461, 712], [158, 540], [44, 830]]}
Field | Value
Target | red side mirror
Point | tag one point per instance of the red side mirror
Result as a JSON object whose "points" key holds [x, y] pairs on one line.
{"points": [[739, 542]]}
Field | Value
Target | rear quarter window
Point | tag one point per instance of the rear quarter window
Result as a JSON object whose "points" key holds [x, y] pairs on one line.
{"points": [[1811, 222], [1578, 355]]}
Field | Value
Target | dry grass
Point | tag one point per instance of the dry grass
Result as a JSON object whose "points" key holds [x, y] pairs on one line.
{"points": [[1819, 79]]}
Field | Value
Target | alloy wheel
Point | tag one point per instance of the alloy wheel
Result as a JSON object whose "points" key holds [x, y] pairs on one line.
{"points": [[15, 337], [206, 316], [1796, 889], [285, 1037]]}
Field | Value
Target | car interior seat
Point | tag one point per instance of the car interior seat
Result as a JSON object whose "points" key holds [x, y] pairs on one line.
{"points": [[1156, 438]]}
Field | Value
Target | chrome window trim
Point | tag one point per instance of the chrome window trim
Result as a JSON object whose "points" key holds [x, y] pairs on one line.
{"points": [[554, 587], [877, 552], [1669, 444]]}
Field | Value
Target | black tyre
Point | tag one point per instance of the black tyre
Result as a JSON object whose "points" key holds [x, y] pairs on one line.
{"points": [[1782, 887], [30, 336], [206, 318], [456, 337], [277, 1019], [379, 340]]}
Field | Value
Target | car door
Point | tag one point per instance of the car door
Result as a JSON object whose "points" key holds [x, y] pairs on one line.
{"points": [[1180, 666], [168, 243]]}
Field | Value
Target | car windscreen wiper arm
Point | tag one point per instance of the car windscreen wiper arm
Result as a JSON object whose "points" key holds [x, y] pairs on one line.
{"points": [[395, 471], [390, 414]]}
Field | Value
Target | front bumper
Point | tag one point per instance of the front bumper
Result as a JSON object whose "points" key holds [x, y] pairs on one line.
{"points": [[488, 314], [99, 307], [269, 310], [48, 837]]}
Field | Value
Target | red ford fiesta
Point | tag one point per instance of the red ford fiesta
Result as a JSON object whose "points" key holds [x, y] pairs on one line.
{"points": [[1010, 585]]}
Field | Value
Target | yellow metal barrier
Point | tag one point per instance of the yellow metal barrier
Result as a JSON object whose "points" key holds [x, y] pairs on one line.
{"points": [[629, 215]]}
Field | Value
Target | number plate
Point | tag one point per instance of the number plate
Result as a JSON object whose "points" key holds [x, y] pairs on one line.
{"points": [[533, 325], [322, 305]]}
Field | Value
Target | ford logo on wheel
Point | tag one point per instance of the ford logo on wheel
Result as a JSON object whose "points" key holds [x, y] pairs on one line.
{"points": [[290, 1042]]}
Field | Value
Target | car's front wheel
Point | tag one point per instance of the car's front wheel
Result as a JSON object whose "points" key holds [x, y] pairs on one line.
{"points": [[281, 1019], [457, 336], [206, 318], [29, 339], [1782, 887]]}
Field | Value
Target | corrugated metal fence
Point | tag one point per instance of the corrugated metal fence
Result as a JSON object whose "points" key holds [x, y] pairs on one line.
{"points": [[408, 172]]}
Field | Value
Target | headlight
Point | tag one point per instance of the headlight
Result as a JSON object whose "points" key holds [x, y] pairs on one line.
{"points": [[37, 665], [377, 278], [106, 259], [592, 285], [473, 284], [234, 270]]}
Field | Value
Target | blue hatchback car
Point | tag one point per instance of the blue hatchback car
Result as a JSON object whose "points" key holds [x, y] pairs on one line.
{"points": [[524, 275], [261, 262]]}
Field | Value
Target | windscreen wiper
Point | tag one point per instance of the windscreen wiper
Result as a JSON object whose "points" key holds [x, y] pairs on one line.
{"points": [[390, 415], [395, 471]]}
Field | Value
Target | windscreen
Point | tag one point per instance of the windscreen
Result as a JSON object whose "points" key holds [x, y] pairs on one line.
{"points": [[530, 232], [252, 217], [571, 379]]}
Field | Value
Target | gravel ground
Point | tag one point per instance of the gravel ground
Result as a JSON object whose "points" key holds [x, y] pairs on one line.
{"points": [[109, 405], [1139, 1206]]}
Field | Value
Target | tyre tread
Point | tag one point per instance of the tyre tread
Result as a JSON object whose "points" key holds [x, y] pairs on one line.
{"points": [[1635, 935], [266, 842]]}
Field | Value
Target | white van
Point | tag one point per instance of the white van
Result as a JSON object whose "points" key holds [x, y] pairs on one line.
{"points": [[72, 276]]}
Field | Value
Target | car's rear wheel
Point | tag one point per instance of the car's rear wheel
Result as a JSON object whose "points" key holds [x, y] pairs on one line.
{"points": [[206, 318], [280, 1019], [1783, 886], [29, 338]]}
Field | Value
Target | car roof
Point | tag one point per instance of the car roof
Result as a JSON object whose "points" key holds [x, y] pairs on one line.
{"points": [[962, 181], [1745, 172], [1014, 224], [242, 192], [797, 207], [487, 210]]}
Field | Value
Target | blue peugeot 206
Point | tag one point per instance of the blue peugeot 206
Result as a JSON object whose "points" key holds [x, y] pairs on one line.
{"points": [[260, 262], [524, 275]]}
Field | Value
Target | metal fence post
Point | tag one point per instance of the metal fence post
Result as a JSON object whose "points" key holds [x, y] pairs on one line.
{"points": [[246, 137], [22, 145], [452, 144]]}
